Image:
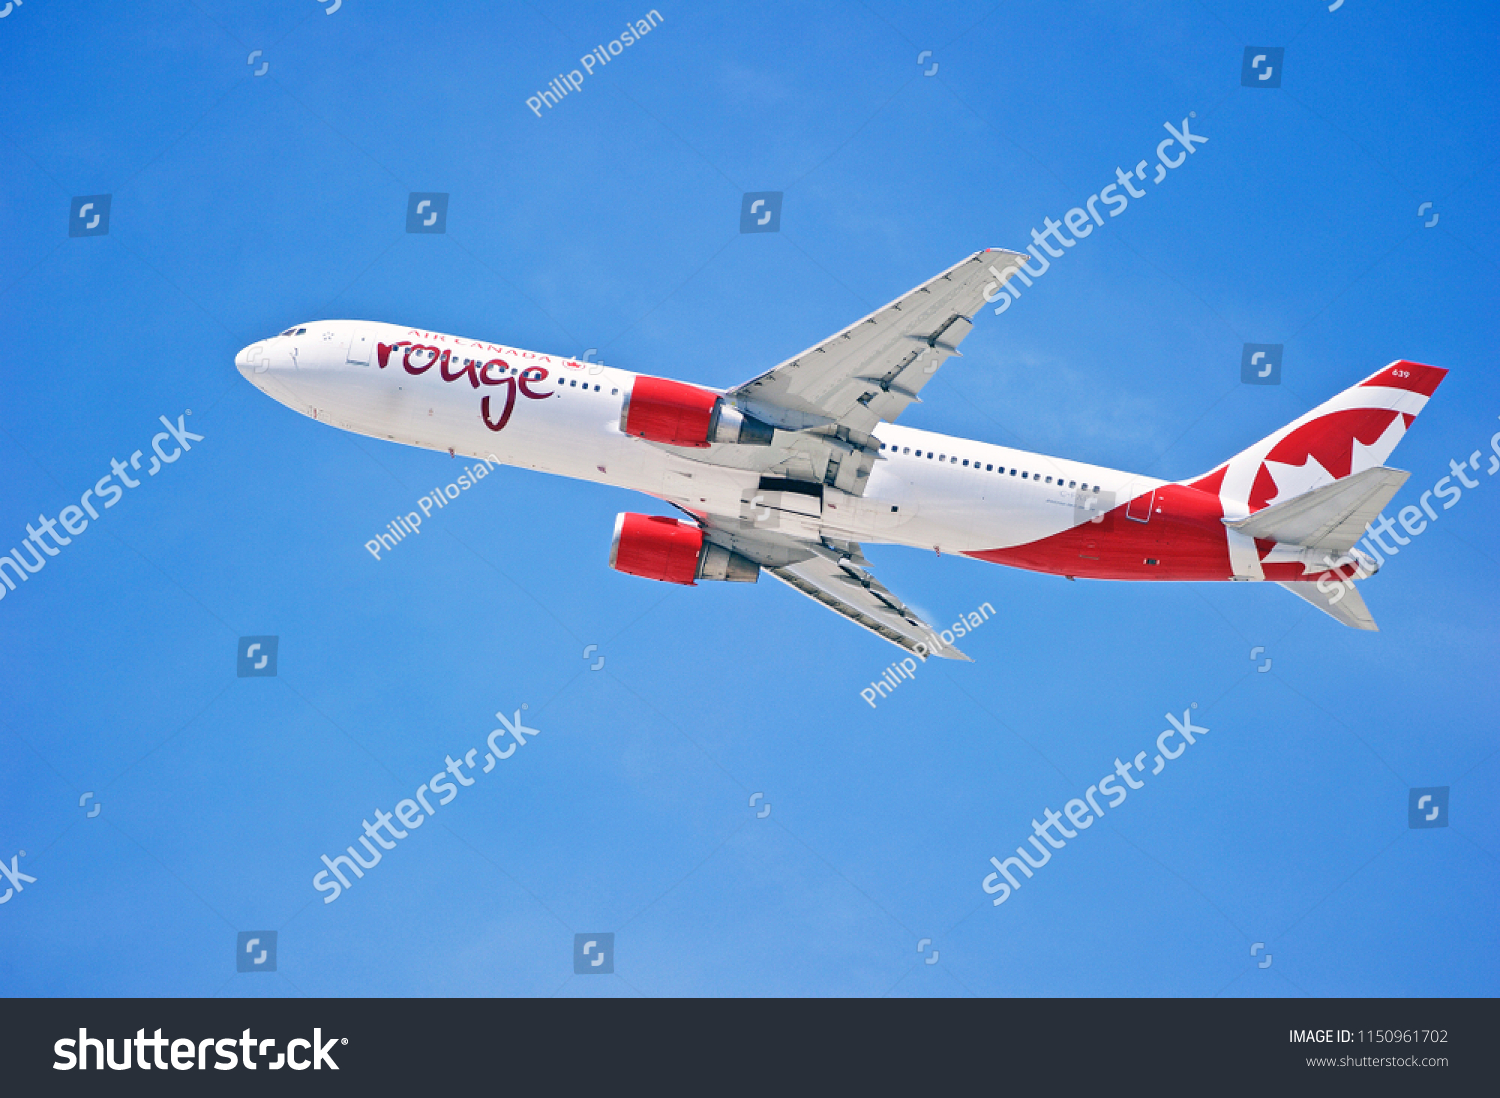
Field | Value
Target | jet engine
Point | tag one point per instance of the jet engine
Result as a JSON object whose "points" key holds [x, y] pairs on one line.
{"points": [[658, 409], [673, 551]]}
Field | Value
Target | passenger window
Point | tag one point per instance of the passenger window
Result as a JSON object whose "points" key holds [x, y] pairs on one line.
{"points": [[1072, 484], [907, 450], [1049, 480], [919, 453], [966, 463], [988, 468], [614, 392], [1025, 475], [929, 455]]}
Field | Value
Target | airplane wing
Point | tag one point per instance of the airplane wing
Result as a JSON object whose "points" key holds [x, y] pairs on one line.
{"points": [[824, 404], [874, 368], [847, 589], [836, 574]]}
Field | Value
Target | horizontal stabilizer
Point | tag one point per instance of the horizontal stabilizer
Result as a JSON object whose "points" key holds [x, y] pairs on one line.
{"points": [[1331, 518], [1349, 609]]}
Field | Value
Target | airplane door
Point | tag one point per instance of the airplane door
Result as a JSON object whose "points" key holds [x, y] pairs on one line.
{"points": [[1140, 507], [359, 348]]}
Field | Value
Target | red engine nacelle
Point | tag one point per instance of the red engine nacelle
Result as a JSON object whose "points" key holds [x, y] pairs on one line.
{"points": [[660, 410], [657, 548], [673, 551]]}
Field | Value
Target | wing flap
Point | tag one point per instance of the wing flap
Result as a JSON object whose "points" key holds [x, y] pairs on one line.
{"points": [[847, 589]]}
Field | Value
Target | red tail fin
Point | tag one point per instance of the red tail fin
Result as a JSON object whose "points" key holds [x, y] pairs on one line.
{"points": [[1354, 431]]}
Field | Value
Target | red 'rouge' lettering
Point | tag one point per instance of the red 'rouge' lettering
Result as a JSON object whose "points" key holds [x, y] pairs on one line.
{"points": [[411, 369], [385, 352], [449, 369], [461, 371], [530, 374], [510, 405]]}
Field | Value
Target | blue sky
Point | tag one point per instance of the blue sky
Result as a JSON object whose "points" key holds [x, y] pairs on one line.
{"points": [[242, 205]]}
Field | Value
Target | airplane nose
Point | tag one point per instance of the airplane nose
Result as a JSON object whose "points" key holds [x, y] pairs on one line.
{"points": [[243, 361]]}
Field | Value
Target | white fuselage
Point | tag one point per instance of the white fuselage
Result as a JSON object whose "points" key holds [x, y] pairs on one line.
{"points": [[953, 497]]}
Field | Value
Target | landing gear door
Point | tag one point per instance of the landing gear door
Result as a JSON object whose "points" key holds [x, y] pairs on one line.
{"points": [[360, 345]]}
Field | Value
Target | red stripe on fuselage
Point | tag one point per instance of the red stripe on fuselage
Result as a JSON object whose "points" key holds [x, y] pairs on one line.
{"points": [[1212, 482], [1184, 536]]}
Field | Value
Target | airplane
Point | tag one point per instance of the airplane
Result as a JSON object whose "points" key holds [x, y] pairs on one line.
{"points": [[793, 471]]}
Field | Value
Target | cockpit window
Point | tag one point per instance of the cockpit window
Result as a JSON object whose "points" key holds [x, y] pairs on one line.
{"points": [[301, 331], [289, 331]]}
